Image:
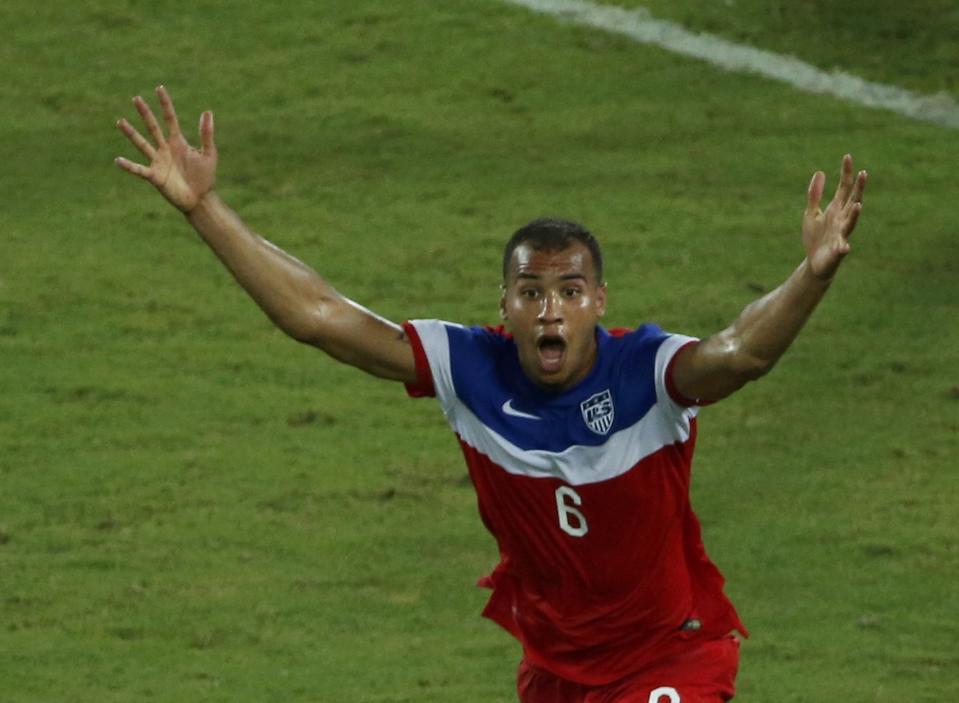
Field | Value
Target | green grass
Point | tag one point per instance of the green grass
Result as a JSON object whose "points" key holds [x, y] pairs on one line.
{"points": [[912, 45], [193, 507]]}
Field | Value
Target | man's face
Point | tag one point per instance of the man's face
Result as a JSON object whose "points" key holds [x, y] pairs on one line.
{"points": [[551, 303]]}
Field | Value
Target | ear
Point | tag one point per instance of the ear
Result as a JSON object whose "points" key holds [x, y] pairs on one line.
{"points": [[601, 300], [502, 303]]}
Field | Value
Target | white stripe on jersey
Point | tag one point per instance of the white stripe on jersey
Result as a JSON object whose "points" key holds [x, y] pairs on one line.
{"points": [[576, 465]]}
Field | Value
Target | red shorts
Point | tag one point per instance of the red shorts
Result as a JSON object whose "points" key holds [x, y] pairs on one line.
{"points": [[706, 673]]}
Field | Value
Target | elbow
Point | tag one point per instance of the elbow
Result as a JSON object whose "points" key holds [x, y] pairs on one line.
{"points": [[306, 322], [742, 363], [749, 367], [299, 332]]}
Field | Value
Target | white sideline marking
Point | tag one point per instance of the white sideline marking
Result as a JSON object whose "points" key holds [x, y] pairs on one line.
{"points": [[640, 25]]}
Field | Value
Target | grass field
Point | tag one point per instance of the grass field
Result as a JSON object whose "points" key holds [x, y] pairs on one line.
{"points": [[192, 507]]}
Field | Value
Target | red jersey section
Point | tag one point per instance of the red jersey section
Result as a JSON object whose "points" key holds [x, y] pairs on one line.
{"points": [[595, 607]]}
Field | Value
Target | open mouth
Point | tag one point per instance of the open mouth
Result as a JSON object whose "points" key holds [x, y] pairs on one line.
{"points": [[552, 351]]}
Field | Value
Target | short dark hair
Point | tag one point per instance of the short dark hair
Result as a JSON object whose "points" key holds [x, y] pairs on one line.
{"points": [[551, 234]]}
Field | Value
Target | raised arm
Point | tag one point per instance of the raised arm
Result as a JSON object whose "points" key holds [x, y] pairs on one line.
{"points": [[750, 347], [292, 294]]}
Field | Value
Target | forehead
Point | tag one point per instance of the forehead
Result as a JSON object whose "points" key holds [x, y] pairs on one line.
{"points": [[575, 259]]}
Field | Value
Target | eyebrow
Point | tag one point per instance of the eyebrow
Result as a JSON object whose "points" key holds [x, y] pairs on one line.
{"points": [[564, 277]]}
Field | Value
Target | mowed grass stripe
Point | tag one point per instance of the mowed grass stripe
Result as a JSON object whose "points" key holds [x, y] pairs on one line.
{"points": [[640, 25]]}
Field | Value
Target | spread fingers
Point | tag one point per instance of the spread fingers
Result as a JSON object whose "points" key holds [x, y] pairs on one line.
{"points": [[149, 120], [138, 140], [845, 181], [169, 114], [134, 168]]}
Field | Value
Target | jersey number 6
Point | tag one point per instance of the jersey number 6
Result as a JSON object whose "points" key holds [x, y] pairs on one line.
{"points": [[571, 521]]}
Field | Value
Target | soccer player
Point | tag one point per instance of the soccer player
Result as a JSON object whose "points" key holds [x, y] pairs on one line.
{"points": [[578, 439]]}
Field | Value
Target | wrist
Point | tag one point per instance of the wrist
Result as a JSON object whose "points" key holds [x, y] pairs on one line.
{"points": [[203, 205], [820, 280]]}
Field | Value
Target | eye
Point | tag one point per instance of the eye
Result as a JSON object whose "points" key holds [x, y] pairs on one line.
{"points": [[571, 292], [530, 293]]}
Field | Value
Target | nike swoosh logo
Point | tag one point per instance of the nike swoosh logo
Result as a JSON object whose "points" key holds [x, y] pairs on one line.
{"points": [[510, 410]]}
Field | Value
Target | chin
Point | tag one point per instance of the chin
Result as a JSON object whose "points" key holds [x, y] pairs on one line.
{"points": [[553, 381]]}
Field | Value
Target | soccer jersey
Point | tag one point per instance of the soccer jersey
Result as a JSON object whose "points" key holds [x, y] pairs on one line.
{"points": [[587, 494]]}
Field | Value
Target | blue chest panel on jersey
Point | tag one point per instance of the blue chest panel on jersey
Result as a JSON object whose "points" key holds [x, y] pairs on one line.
{"points": [[617, 393]]}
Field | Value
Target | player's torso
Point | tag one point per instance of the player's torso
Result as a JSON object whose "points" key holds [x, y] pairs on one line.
{"points": [[586, 490]]}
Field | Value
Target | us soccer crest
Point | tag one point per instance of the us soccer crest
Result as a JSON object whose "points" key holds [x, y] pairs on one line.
{"points": [[598, 412]]}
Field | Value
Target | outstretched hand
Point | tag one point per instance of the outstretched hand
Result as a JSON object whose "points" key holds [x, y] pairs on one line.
{"points": [[826, 234], [182, 174]]}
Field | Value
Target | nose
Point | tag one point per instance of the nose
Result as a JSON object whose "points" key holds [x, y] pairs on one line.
{"points": [[550, 308]]}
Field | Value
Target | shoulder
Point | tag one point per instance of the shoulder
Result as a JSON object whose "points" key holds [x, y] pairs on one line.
{"points": [[642, 360], [462, 361], [637, 346], [439, 333], [646, 333]]}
